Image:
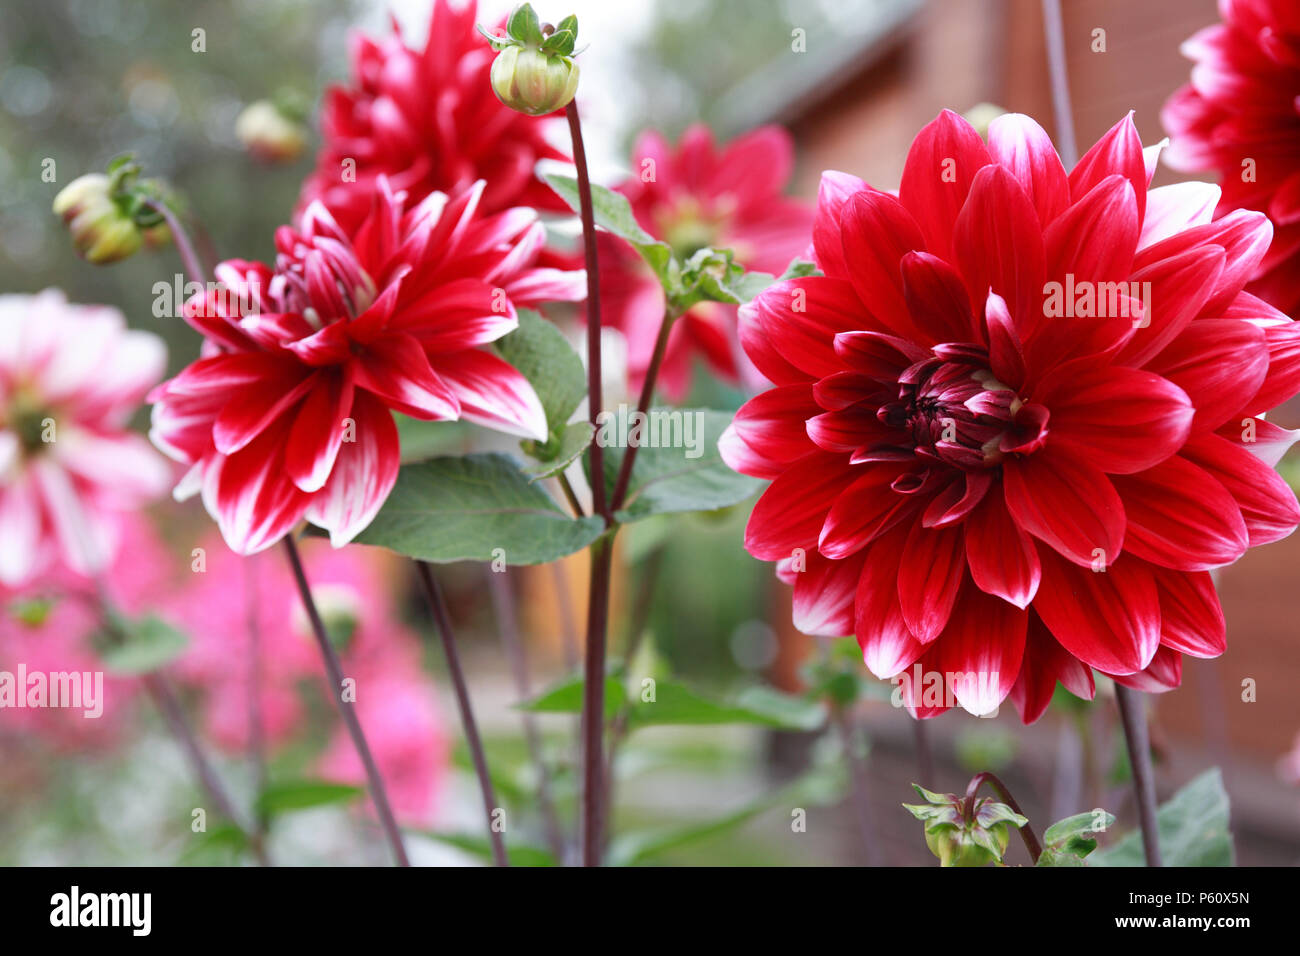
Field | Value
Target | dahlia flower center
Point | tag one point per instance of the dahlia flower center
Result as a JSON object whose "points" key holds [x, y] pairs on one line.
{"points": [[956, 411], [688, 227], [29, 419], [323, 282]]}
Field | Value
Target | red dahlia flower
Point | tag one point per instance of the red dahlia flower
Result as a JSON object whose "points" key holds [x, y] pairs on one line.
{"points": [[1240, 115], [429, 121], [288, 414], [995, 480], [692, 197]]}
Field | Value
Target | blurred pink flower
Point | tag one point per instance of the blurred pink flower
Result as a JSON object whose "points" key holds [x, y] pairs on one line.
{"points": [[50, 626], [1288, 767], [353, 590], [70, 377], [407, 738], [693, 196]]}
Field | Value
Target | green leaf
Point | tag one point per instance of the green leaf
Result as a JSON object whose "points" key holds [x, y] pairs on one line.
{"points": [[613, 213], [669, 479], [561, 42], [631, 848], [1193, 829], [572, 442], [523, 24], [675, 703], [145, 645], [566, 698], [223, 844], [465, 508], [287, 795], [420, 439], [480, 847], [1068, 841], [543, 356], [799, 269]]}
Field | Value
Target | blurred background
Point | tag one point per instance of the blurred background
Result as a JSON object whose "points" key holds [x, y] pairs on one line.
{"points": [[83, 80]]}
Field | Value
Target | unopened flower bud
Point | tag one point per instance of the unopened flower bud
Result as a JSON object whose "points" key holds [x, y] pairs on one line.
{"points": [[270, 133], [102, 232], [961, 840], [534, 71]]}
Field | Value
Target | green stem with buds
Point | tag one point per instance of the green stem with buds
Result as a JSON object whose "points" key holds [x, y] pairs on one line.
{"points": [[1026, 832]]}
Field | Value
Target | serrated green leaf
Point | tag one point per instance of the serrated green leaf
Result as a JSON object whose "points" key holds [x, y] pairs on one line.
{"points": [[572, 442], [543, 355], [143, 645], [613, 213], [1193, 827], [284, 796], [675, 703], [465, 508], [667, 479], [566, 698]]}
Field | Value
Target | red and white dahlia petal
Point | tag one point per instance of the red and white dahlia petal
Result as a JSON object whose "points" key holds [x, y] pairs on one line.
{"points": [[288, 414], [1239, 116], [1015, 423], [70, 378], [428, 120], [694, 196]]}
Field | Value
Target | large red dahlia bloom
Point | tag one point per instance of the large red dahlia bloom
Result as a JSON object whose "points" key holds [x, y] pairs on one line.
{"points": [[690, 197], [429, 121], [1240, 115], [289, 413], [996, 452]]}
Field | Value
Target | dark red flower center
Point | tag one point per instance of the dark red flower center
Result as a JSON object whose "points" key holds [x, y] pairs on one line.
{"points": [[956, 411]]}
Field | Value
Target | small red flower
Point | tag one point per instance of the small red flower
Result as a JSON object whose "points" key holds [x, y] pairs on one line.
{"points": [[289, 413], [692, 197], [1239, 116], [429, 121], [996, 453]]}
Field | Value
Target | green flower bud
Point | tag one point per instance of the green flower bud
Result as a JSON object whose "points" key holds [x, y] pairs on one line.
{"points": [[534, 72], [102, 232], [957, 840], [270, 133]]}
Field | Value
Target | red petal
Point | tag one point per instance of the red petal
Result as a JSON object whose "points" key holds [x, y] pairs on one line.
{"points": [[1118, 152], [318, 431], [1108, 619], [863, 510], [979, 652], [1165, 672], [770, 431], [363, 474], [1022, 146], [396, 370], [929, 577], [1216, 362], [1003, 559], [790, 514], [1121, 420], [877, 232], [942, 163], [1180, 517], [1094, 240], [1191, 618], [824, 594], [802, 316], [1044, 663], [492, 392], [937, 300], [1267, 503], [998, 244], [834, 191], [1063, 499], [888, 647], [1181, 285]]}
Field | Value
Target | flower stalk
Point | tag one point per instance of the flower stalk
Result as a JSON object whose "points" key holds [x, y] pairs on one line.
{"points": [[1026, 831], [1132, 714], [442, 620], [347, 710]]}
